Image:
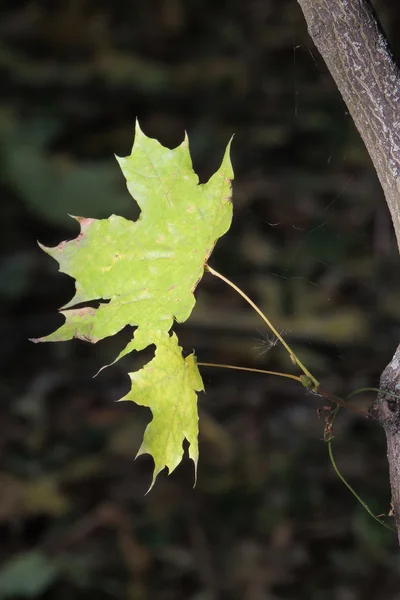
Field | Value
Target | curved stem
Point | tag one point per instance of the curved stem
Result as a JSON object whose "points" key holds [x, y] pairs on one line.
{"points": [[373, 389], [251, 370], [267, 321], [349, 487]]}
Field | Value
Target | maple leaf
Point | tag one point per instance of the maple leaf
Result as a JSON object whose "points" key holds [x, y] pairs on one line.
{"points": [[144, 274], [167, 385]]}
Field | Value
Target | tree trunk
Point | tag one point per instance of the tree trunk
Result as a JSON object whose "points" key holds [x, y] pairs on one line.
{"points": [[352, 42]]}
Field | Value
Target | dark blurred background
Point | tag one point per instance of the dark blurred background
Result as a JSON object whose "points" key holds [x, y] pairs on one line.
{"points": [[311, 242]]}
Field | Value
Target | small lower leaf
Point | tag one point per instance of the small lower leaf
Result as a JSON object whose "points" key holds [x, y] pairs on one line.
{"points": [[167, 385]]}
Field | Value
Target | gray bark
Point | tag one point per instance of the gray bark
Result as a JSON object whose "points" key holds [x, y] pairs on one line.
{"points": [[386, 410], [350, 39]]}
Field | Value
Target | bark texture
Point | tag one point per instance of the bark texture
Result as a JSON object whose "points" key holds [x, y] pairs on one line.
{"points": [[350, 39], [387, 411]]}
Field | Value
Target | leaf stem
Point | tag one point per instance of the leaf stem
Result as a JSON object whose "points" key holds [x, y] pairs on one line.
{"points": [[346, 483], [251, 370], [267, 321], [373, 389]]}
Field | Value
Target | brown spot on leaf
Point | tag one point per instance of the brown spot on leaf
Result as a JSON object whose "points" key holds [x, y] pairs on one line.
{"points": [[84, 222]]}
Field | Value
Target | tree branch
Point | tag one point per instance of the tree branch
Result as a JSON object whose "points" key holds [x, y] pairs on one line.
{"points": [[387, 410], [350, 39]]}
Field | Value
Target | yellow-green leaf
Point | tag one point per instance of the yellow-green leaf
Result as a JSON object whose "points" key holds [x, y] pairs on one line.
{"points": [[144, 274]]}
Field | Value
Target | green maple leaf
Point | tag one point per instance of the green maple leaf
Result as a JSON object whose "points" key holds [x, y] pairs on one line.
{"points": [[167, 385], [144, 274]]}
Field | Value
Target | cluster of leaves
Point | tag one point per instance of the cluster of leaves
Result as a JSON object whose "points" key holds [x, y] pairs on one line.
{"points": [[144, 274]]}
